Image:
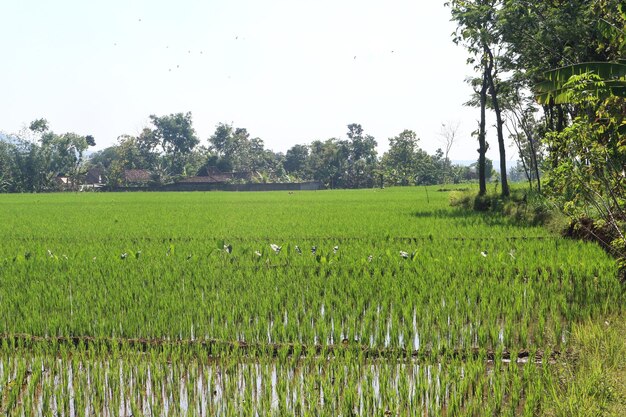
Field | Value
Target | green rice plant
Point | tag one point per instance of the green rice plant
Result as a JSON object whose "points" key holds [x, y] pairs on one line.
{"points": [[146, 328]]}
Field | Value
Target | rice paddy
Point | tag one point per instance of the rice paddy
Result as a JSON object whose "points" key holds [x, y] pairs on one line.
{"points": [[369, 302]]}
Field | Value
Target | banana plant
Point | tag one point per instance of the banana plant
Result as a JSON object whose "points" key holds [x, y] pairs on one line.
{"points": [[556, 90]]}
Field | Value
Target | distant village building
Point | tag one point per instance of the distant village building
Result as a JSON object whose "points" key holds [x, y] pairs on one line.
{"points": [[212, 180], [94, 179], [62, 181], [137, 176], [213, 176]]}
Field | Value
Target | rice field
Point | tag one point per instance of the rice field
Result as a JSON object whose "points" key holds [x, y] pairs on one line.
{"points": [[368, 302]]}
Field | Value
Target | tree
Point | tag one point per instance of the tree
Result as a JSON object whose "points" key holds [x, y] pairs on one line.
{"points": [[39, 126], [129, 153], [524, 129], [448, 133], [325, 162], [233, 148], [68, 154], [399, 162], [104, 157], [429, 169], [7, 167], [176, 136], [488, 170], [295, 160], [32, 168], [362, 158], [26, 165], [221, 140], [478, 30], [62, 154]]}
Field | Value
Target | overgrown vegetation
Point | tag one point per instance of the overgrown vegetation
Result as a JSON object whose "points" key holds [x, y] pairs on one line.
{"points": [[594, 384]]}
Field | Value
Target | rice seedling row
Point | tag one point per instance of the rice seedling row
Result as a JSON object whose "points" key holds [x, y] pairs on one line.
{"points": [[123, 383]]}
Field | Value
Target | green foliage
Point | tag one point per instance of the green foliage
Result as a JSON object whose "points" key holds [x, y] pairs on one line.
{"points": [[34, 166], [589, 157], [557, 88], [176, 137], [295, 160]]}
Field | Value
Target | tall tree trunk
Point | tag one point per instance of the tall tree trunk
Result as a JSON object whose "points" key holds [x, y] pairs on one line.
{"points": [[560, 121], [523, 160], [482, 143], [499, 123], [533, 156], [522, 120]]}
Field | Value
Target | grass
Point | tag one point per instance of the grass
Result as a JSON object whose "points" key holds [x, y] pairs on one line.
{"points": [[595, 383]]}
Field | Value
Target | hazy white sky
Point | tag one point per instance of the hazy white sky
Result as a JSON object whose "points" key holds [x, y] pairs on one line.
{"points": [[289, 71]]}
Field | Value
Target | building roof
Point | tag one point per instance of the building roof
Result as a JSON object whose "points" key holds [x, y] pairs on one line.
{"points": [[94, 176], [137, 175]]}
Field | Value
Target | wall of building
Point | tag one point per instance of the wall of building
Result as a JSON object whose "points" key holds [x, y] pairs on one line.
{"points": [[308, 186]]}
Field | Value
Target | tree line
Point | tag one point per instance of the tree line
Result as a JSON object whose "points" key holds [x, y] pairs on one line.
{"points": [[170, 150]]}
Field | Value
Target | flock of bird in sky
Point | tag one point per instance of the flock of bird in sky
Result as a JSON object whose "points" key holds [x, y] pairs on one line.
{"points": [[201, 52]]}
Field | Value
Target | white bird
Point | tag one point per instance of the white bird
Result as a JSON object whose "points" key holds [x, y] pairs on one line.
{"points": [[124, 255], [484, 254], [313, 249], [275, 248], [369, 258], [257, 253], [404, 254], [228, 248], [335, 249]]}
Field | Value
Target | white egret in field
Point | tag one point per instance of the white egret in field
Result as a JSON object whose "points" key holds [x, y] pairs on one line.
{"points": [[275, 247], [124, 255], [257, 253], [335, 249], [404, 254], [484, 254]]}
